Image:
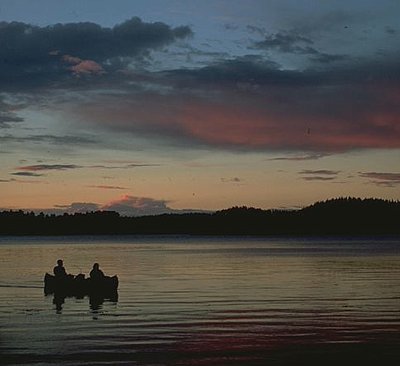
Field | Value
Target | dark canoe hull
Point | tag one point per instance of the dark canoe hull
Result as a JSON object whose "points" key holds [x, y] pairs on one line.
{"points": [[81, 286]]}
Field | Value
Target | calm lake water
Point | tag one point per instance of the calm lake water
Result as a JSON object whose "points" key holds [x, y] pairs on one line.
{"points": [[204, 301]]}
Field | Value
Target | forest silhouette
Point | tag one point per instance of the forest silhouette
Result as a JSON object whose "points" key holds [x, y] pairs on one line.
{"points": [[340, 216]]}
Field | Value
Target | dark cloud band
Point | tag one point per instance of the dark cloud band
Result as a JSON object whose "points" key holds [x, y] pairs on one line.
{"points": [[44, 167], [32, 55]]}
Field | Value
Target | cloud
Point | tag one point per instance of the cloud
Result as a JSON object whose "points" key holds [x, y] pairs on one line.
{"points": [[231, 180], [326, 58], [390, 30], [284, 41], [8, 115], [138, 206], [107, 187], [28, 170], [318, 178], [319, 175], [257, 30], [71, 59], [75, 207], [87, 67], [295, 43], [312, 112], [321, 111], [231, 26], [130, 163], [7, 118], [314, 156], [320, 172], [382, 179], [125, 165], [27, 174], [50, 139], [83, 67], [45, 167], [250, 68], [38, 54], [13, 180], [246, 103]]}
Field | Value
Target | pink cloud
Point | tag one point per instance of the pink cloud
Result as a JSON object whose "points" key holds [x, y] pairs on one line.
{"points": [[252, 123], [137, 206], [83, 67], [87, 67]]}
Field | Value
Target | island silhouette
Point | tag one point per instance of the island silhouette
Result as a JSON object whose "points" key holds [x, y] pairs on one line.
{"points": [[339, 216]]}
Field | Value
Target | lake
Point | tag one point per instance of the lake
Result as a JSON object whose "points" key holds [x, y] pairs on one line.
{"points": [[204, 301]]}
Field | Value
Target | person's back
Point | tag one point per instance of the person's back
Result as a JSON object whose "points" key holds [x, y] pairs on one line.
{"points": [[96, 273], [59, 270]]}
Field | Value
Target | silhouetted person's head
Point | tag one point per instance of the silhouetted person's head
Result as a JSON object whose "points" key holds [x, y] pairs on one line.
{"points": [[96, 266], [59, 270]]}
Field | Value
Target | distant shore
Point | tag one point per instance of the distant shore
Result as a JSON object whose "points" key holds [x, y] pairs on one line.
{"points": [[335, 217]]}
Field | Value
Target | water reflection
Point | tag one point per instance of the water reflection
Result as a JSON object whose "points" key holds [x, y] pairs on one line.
{"points": [[58, 301], [95, 301]]}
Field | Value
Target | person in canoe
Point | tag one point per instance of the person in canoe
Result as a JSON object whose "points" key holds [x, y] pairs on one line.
{"points": [[96, 273], [59, 270]]}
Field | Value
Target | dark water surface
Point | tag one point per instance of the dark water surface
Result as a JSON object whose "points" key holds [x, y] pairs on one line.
{"points": [[205, 301]]}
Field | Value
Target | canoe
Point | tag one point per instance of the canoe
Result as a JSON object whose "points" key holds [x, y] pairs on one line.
{"points": [[80, 286]]}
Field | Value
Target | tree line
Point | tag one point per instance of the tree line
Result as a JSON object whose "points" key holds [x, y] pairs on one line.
{"points": [[340, 216]]}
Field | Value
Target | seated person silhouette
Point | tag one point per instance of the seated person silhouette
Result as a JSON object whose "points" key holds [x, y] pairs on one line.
{"points": [[96, 273], [59, 270]]}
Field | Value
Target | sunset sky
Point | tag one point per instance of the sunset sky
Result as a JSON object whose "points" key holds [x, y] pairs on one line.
{"points": [[151, 106]]}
